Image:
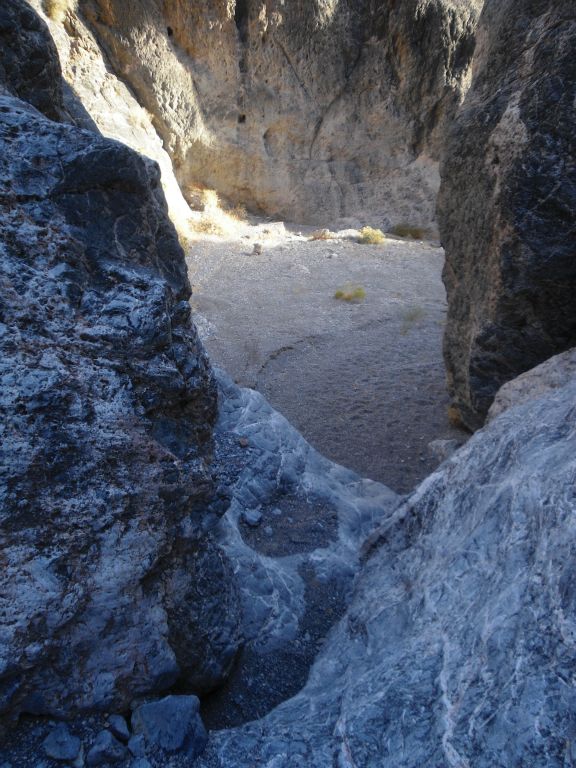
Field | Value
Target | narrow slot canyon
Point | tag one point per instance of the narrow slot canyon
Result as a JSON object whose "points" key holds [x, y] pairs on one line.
{"points": [[287, 384]]}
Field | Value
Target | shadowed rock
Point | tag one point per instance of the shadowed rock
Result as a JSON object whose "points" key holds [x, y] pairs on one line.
{"points": [[107, 404], [29, 66], [507, 203]]}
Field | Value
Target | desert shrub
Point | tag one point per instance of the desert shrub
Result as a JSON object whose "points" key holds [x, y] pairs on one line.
{"points": [[350, 293], [371, 236], [322, 234], [216, 218], [410, 317], [407, 230]]}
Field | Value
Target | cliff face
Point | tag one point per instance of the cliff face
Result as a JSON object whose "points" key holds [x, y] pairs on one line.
{"points": [[107, 404], [309, 111], [507, 202]]}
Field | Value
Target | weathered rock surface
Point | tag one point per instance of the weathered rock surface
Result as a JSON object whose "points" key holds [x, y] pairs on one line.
{"points": [[107, 405], [95, 98], [29, 65], [106, 750], [172, 725], [61, 745], [458, 648], [305, 110], [553, 374], [507, 203]]}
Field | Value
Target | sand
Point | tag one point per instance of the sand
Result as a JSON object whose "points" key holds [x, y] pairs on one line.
{"points": [[362, 380]]}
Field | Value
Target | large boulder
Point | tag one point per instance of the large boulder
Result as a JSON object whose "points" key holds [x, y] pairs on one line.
{"points": [[306, 110], [507, 202], [107, 405], [458, 647]]}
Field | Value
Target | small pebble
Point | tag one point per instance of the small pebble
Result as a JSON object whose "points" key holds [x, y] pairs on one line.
{"points": [[119, 727], [106, 749], [252, 516]]}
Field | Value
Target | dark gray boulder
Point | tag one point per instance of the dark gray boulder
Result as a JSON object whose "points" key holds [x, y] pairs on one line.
{"points": [[61, 745], [105, 750], [106, 409], [507, 203], [172, 724]]}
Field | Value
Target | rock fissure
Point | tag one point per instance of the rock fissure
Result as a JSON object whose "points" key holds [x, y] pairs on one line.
{"points": [[166, 534]]}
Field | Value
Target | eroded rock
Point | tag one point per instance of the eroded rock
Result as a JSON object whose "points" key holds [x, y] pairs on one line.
{"points": [[61, 745], [507, 203], [29, 65], [107, 406], [321, 110], [172, 724], [458, 646], [105, 750], [553, 374]]}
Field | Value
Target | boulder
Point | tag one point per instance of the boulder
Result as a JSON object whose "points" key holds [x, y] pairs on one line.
{"points": [[105, 750], [61, 745], [119, 727], [507, 202], [458, 645], [107, 405], [172, 724], [553, 374], [29, 64]]}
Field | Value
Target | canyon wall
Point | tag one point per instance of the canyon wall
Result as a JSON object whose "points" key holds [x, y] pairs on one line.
{"points": [[310, 111], [507, 203], [107, 405], [457, 648]]}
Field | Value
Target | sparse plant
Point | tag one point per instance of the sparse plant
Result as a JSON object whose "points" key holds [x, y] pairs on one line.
{"points": [[455, 417], [322, 234], [238, 212], [409, 231], [57, 9], [350, 293], [371, 236], [215, 217], [207, 225], [410, 317]]}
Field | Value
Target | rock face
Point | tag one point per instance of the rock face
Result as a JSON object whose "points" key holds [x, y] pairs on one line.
{"points": [[97, 99], [458, 647], [507, 202], [307, 110], [29, 65], [107, 405], [556, 372]]}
